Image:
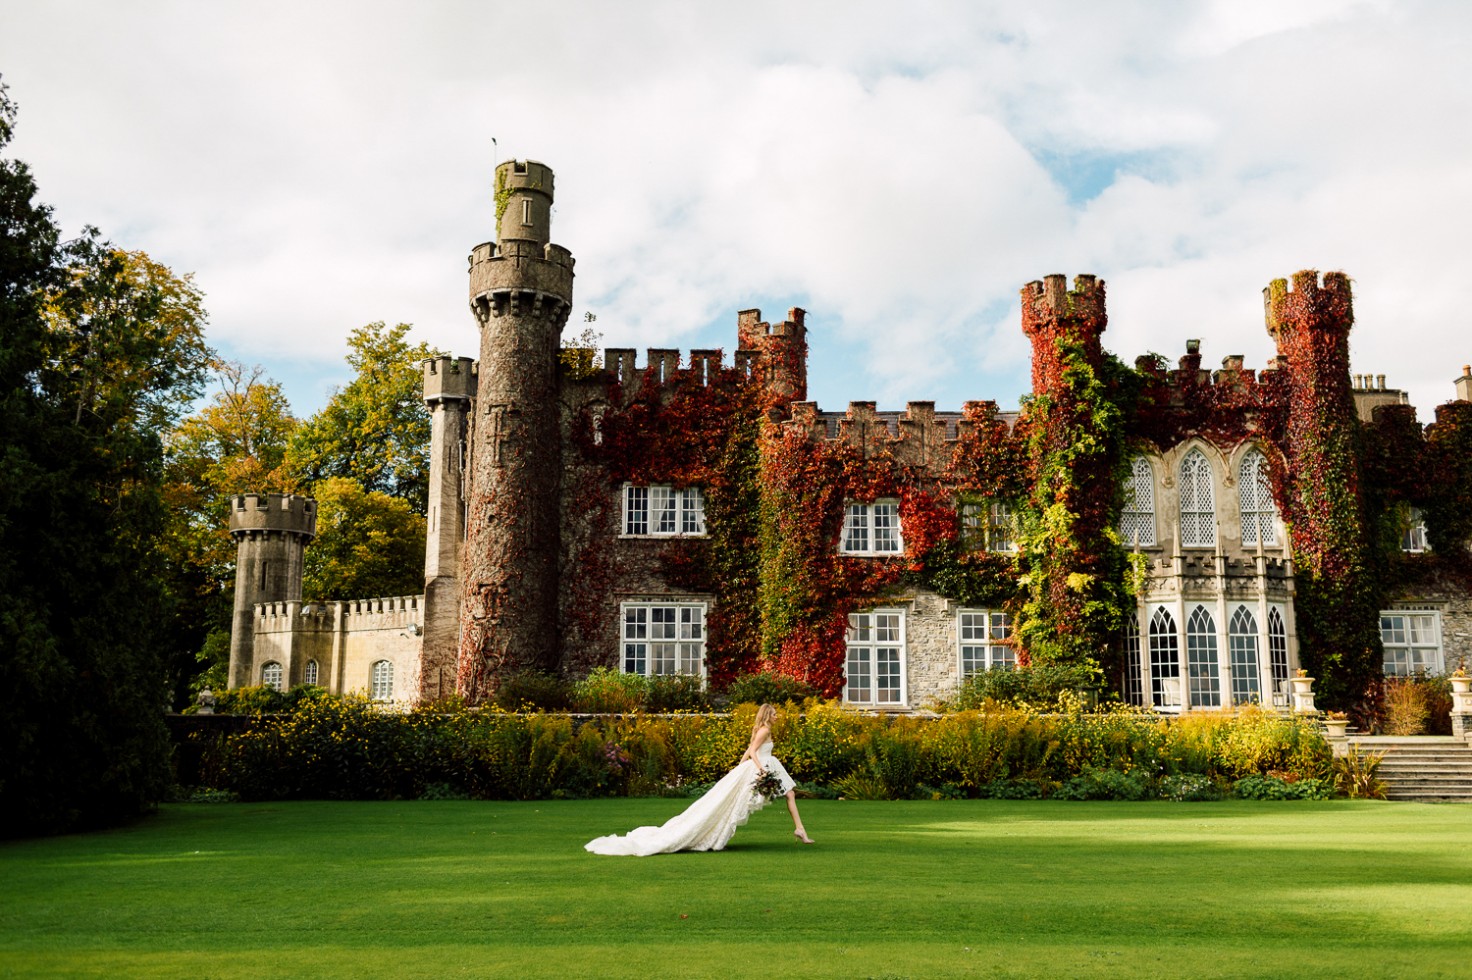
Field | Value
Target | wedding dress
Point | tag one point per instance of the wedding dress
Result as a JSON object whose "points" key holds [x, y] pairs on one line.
{"points": [[709, 822]]}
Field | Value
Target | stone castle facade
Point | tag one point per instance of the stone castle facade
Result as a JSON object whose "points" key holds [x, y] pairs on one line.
{"points": [[694, 515]]}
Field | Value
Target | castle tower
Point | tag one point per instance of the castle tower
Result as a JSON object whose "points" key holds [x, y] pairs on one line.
{"points": [[1323, 506], [1064, 327], [271, 531], [521, 293], [782, 362], [449, 391]]}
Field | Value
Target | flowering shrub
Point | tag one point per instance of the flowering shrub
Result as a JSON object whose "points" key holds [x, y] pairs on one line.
{"points": [[348, 748]]}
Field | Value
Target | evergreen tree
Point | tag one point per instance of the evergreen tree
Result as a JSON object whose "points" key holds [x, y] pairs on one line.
{"points": [[99, 351]]}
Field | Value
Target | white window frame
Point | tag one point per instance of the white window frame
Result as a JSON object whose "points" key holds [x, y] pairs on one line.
{"points": [[273, 675], [875, 642], [1134, 692], [1203, 658], [1165, 659], [986, 525], [662, 511], [660, 638], [871, 529], [1137, 521], [1413, 536], [1244, 656], [1198, 501], [1255, 499], [381, 680], [1412, 641], [984, 641], [310, 672]]}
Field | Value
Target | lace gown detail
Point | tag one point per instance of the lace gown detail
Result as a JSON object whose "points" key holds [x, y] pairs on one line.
{"points": [[708, 823]]}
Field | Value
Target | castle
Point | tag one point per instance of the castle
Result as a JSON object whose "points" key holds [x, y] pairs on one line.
{"points": [[691, 515]]}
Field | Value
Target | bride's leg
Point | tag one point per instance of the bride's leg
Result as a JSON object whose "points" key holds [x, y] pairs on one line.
{"points": [[798, 830]]}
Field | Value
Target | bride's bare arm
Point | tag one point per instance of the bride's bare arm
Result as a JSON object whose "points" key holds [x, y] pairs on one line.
{"points": [[757, 738]]}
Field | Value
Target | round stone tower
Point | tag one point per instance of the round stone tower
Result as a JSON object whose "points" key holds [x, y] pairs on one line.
{"points": [[521, 293], [271, 532]]}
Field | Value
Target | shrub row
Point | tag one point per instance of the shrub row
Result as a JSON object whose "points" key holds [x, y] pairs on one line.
{"points": [[345, 748]]}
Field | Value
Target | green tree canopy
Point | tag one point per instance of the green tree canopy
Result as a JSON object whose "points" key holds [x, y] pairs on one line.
{"points": [[235, 443], [376, 429], [100, 351], [368, 544]]}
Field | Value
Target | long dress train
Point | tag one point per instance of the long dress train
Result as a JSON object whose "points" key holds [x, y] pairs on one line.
{"points": [[709, 822]]}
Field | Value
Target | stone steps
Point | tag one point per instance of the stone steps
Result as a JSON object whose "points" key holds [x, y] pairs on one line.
{"points": [[1428, 769]]}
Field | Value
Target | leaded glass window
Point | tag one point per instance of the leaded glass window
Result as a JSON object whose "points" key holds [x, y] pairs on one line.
{"points": [[1198, 509]]}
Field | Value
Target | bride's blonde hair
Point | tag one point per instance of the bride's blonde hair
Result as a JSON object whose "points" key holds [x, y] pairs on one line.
{"points": [[764, 716]]}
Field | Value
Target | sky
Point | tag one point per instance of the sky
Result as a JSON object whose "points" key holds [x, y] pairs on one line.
{"points": [[900, 171]]}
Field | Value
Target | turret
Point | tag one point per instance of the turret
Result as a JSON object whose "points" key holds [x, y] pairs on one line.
{"points": [[1051, 312], [1323, 506], [781, 363], [520, 293], [449, 390], [271, 532]]}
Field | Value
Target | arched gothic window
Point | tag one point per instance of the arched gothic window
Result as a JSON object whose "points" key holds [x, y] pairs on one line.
{"points": [[1277, 648], [1198, 510], [310, 674], [1165, 659], [1201, 662], [1259, 515], [271, 675], [1137, 523], [1242, 645], [383, 681], [1132, 691]]}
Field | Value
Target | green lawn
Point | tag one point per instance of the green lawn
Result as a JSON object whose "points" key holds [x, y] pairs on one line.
{"points": [[989, 888]]}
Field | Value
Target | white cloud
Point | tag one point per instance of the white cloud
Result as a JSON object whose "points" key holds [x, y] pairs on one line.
{"points": [[324, 165]]}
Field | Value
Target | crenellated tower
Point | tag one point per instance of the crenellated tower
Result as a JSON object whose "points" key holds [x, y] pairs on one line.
{"points": [[1320, 490], [271, 532], [520, 293], [449, 391], [781, 362], [1073, 456]]}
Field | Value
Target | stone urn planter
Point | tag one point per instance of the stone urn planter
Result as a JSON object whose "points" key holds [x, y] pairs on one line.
{"points": [[1336, 728], [1303, 694], [1461, 694]]}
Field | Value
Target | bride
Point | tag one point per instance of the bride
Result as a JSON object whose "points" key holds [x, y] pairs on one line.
{"points": [[708, 823]]}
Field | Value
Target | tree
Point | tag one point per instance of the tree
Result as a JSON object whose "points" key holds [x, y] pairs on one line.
{"points": [[368, 544], [376, 429], [100, 349], [234, 444]]}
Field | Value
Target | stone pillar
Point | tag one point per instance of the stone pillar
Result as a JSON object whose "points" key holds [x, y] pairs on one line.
{"points": [[271, 532], [521, 294]]}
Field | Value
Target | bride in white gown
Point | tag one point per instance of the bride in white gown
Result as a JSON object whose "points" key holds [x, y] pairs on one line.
{"points": [[709, 822]]}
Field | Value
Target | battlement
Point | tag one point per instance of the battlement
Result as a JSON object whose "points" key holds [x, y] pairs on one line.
{"points": [[1308, 304], [347, 616], [450, 379], [751, 330], [273, 512], [662, 367], [1049, 300], [919, 436]]}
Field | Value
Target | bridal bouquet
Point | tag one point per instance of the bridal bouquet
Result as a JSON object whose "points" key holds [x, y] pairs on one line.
{"points": [[768, 784]]}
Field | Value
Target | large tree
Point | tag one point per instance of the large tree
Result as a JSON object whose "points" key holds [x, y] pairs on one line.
{"points": [[375, 430], [100, 349], [235, 443], [368, 544]]}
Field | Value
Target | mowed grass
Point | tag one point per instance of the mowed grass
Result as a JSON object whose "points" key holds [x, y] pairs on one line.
{"points": [[925, 889]]}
